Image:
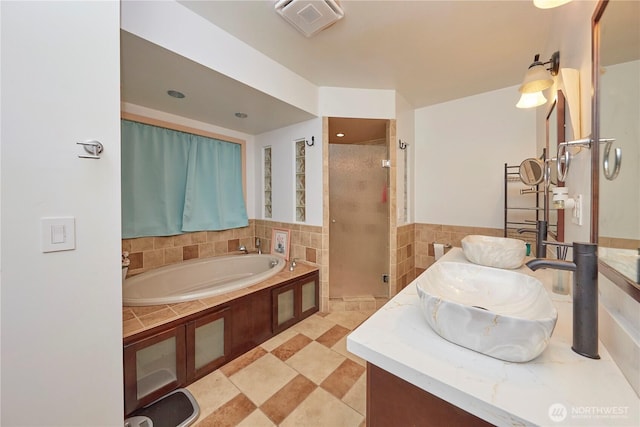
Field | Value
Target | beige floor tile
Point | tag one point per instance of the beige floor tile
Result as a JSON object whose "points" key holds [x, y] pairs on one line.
{"points": [[230, 414], [348, 319], [263, 378], [314, 326], [279, 339], [341, 348], [243, 361], [357, 396], [321, 409], [333, 335], [291, 347], [212, 391], [281, 404], [256, 419], [340, 381], [315, 362]]}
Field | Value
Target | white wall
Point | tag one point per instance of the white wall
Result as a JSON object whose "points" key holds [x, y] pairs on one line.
{"points": [[282, 142], [405, 132], [357, 103], [461, 147], [61, 312]]}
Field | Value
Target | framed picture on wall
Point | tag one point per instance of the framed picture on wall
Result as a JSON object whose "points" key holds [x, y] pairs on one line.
{"points": [[280, 242]]}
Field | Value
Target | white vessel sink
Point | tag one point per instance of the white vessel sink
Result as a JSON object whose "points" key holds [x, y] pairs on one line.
{"points": [[500, 252], [500, 313]]}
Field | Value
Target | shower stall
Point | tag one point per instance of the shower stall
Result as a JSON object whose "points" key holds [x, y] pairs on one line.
{"points": [[359, 213]]}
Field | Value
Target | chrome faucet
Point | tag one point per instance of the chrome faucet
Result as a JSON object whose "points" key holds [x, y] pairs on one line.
{"points": [[244, 249], [259, 245], [585, 294], [293, 264]]}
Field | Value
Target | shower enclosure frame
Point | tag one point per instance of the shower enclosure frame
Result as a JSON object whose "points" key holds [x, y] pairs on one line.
{"points": [[392, 214]]}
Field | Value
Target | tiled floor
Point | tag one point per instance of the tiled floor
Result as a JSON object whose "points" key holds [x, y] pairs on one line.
{"points": [[302, 377]]}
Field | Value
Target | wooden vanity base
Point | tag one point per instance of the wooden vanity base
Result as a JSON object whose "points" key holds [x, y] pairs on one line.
{"points": [[391, 401]]}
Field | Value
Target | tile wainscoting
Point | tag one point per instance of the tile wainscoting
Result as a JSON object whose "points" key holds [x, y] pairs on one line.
{"points": [[146, 253], [415, 245], [413, 252]]}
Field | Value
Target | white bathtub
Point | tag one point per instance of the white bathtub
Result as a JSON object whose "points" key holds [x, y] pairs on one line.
{"points": [[198, 278]]}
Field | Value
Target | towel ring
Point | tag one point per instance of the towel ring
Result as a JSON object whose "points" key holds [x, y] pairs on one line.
{"points": [[562, 159], [617, 161]]}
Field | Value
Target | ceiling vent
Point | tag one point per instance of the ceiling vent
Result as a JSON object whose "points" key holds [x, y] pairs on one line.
{"points": [[310, 16]]}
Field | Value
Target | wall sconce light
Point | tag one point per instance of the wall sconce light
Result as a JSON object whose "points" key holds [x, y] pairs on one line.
{"points": [[530, 100], [549, 4], [537, 79]]}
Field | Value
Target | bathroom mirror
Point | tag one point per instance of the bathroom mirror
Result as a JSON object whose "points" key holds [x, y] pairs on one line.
{"points": [[531, 171], [616, 107]]}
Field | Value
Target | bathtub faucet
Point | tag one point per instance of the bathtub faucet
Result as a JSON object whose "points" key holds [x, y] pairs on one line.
{"points": [[259, 245], [244, 249]]}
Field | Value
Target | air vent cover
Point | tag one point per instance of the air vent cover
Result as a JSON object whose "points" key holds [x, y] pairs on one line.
{"points": [[309, 16]]}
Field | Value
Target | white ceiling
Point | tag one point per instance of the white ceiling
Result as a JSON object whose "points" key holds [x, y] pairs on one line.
{"points": [[428, 51]]}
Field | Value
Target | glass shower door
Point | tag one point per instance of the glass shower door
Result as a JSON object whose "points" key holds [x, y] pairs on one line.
{"points": [[359, 220]]}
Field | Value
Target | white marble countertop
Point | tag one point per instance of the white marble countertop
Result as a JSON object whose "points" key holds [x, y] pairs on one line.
{"points": [[592, 392]]}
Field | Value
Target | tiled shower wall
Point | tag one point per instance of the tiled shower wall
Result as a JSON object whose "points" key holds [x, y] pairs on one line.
{"points": [[146, 253]]}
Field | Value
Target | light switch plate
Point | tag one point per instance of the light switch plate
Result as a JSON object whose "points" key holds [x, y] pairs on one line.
{"points": [[58, 234]]}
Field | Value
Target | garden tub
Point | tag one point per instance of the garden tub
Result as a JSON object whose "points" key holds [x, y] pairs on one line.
{"points": [[199, 278]]}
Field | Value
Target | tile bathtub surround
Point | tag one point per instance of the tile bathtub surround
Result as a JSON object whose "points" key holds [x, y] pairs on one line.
{"points": [[139, 319], [146, 253], [305, 240], [302, 377]]}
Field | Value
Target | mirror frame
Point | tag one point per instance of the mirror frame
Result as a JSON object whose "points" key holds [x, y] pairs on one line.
{"points": [[623, 282]]}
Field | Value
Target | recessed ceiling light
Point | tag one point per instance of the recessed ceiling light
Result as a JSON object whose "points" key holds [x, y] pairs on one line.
{"points": [[339, 134], [241, 115], [175, 94]]}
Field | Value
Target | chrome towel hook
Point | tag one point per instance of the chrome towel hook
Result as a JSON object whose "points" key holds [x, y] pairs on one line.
{"points": [[93, 147], [617, 160]]}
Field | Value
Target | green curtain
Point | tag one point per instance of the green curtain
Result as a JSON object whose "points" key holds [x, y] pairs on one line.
{"points": [[174, 182], [214, 199]]}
